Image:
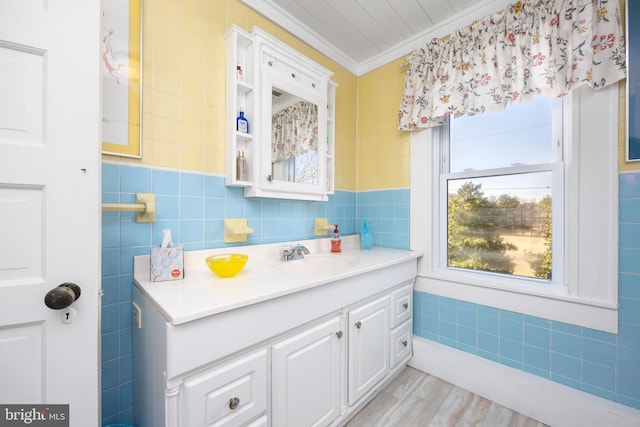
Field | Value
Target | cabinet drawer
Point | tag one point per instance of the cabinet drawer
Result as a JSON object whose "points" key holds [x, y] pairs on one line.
{"points": [[260, 422], [401, 305], [401, 342], [230, 394]]}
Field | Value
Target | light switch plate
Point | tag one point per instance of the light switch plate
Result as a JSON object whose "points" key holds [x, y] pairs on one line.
{"points": [[137, 315]]}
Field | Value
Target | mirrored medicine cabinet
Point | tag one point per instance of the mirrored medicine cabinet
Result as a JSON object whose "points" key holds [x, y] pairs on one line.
{"points": [[289, 101]]}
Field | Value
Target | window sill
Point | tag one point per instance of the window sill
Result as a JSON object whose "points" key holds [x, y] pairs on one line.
{"points": [[554, 305]]}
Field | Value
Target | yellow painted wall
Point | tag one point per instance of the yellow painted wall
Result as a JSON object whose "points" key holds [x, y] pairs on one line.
{"points": [[183, 86], [383, 150], [184, 98]]}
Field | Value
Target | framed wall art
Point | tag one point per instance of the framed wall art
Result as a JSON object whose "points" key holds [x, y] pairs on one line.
{"points": [[633, 81], [121, 68]]}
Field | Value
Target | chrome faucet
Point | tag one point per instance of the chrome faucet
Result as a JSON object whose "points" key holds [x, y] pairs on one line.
{"points": [[290, 253]]}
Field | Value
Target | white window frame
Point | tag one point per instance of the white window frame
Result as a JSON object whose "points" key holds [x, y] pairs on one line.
{"points": [[560, 109], [587, 293]]}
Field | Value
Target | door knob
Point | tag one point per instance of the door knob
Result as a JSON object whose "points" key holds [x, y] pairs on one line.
{"points": [[62, 296]]}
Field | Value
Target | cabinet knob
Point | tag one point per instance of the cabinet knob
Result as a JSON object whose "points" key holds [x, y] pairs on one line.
{"points": [[358, 325], [339, 334], [405, 305], [269, 178], [234, 402], [404, 343]]}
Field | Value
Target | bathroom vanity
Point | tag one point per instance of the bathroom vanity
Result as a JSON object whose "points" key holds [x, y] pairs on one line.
{"points": [[284, 343]]}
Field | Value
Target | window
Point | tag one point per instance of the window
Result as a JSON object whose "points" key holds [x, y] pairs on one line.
{"points": [[497, 195], [302, 168], [521, 213], [306, 168]]}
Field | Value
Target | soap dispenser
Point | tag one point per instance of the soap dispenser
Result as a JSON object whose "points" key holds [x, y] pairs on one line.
{"points": [[366, 239], [336, 241]]}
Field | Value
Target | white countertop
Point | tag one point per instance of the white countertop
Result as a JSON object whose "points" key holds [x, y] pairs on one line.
{"points": [[201, 293]]}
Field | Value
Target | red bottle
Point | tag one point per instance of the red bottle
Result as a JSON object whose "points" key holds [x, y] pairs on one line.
{"points": [[336, 241]]}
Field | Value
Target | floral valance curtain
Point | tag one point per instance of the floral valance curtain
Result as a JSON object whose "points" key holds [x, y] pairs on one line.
{"points": [[294, 131], [533, 47]]}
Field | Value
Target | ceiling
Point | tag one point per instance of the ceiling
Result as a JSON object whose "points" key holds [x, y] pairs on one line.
{"points": [[362, 35]]}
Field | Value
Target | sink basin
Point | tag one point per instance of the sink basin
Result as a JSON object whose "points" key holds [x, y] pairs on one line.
{"points": [[317, 264]]}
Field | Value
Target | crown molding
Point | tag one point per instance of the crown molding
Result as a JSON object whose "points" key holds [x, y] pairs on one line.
{"points": [[281, 17], [441, 29]]}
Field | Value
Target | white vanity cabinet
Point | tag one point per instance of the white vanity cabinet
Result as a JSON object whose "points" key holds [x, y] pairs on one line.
{"points": [[308, 368], [306, 376], [312, 356]]}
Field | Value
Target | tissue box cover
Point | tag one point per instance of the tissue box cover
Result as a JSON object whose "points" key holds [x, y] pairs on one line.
{"points": [[167, 263]]}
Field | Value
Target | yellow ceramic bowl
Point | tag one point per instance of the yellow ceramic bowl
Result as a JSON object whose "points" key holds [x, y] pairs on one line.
{"points": [[227, 265]]}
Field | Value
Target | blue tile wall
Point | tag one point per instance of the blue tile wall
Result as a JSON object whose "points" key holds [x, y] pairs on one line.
{"points": [[596, 362], [194, 207], [388, 215]]}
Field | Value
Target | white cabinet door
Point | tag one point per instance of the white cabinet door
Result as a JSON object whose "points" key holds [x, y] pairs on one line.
{"points": [[227, 395], [368, 346], [306, 373]]}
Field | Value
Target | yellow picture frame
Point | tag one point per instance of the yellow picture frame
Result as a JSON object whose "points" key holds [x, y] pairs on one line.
{"points": [[121, 59], [632, 152]]}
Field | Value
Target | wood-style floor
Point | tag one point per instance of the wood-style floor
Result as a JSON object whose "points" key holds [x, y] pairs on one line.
{"points": [[414, 398]]}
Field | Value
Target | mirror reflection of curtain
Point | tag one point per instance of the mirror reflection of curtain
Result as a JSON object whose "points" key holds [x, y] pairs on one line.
{"points": [[294, 131]]}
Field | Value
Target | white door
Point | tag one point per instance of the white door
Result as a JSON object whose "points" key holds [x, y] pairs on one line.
{"points": [[49, 203], [368, 347], [306, 377]]}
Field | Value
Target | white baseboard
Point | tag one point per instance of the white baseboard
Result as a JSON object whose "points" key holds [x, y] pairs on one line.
{"points": [[544, 400]]}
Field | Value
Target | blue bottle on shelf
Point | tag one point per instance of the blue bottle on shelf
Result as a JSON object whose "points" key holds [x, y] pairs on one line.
{"points": [[242, 124], [366, 238]]}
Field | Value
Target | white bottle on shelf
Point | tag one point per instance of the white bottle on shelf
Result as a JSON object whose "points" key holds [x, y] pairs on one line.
{"points": [[241, 166]]}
